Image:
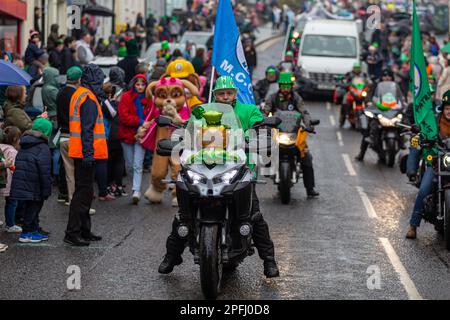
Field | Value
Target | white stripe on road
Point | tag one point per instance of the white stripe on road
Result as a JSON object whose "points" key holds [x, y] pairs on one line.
{"points": [[328, 106], [332, 121], [405, 279], [339, 137], [367, 204], [348, 164]]}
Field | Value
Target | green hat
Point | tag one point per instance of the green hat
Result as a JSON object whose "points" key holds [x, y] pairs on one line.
{"points": [[285, 78], [174, 18], [74, 73], [376, 45], [224, 82], [357, 65], [132, 48], [122, 52], [44, 126], [446, 98], [404, 57], [165, 45], [289, 53]]}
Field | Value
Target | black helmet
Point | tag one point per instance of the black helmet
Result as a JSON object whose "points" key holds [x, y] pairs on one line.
{"points": [[446, 98], [387, 73]]}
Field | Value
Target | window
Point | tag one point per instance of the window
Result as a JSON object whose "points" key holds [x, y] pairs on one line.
{"points": [[329, 46], [8, 34]]}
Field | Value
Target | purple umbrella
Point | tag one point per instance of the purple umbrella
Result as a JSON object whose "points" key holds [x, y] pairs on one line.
{"points": [[12, 75]]}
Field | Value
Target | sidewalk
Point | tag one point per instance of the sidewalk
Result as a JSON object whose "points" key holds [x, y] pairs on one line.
{"points": [[265, 34]]}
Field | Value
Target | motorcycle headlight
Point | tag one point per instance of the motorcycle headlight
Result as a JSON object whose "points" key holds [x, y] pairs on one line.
{"points": [[287, 139], [369, 114], [446, 161], [364, 94], [226, 177], [195, 177], [295, 35]]}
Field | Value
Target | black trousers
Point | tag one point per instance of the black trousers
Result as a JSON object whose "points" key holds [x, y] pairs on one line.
{"points": [[116, 163], [308, 171], [31, 210], [261, 237], [79, 218]]}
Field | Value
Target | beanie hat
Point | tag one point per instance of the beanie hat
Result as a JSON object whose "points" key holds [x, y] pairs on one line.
{"points": [[74, 73], [43, 126], [132, 48]]}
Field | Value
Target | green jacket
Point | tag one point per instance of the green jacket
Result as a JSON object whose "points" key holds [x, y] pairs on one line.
{"points": [[50, 90], [248, 114], [16, 116]]}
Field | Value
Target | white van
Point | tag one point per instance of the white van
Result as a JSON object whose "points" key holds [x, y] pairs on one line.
{"points": [[329, 48]]}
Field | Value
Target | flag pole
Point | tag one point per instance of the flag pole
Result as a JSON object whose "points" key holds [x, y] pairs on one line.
{"points": [[213, 71]]}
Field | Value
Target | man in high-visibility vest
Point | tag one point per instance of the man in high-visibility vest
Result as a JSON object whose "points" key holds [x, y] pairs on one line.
{"points": [[87, 143]]}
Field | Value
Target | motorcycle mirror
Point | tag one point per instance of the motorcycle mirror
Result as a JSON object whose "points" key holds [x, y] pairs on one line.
{"points": [[165, 147], [315, 122], [415, 128], [163, 121], [271, 122]]}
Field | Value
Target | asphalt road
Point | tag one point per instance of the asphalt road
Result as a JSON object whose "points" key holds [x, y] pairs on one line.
{"points": [[347, 244]]}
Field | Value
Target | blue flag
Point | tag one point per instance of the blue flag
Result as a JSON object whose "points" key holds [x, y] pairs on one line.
{"points": [[228, 53]]}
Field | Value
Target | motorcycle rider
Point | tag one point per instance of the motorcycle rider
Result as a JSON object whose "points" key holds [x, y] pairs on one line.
{"points": [[225, 92], [348, 78], [370, 133], [288, 65], [426, 185], [266, 86], [288, 100]]}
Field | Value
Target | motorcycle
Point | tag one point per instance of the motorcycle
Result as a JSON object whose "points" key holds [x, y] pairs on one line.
{"points": [[291, 139], [404, 154], [437, 204], [353, 107], [214, 190], [386, 140]]}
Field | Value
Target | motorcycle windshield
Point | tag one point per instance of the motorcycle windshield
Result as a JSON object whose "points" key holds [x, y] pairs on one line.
{"points": [[385, 97], [358, 83], [290, 120], [213, 136]]}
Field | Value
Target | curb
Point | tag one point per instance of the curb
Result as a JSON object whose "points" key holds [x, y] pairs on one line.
{"points": [[258, 43]]}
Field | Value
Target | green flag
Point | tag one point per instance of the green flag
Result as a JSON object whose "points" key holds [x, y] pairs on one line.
{"points": [[420, 88]]}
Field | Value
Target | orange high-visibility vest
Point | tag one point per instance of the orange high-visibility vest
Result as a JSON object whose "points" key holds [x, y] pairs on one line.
{"points": [[75, 144]]}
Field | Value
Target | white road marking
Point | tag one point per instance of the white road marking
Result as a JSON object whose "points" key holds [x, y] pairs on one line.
{"points": [[405, 279], [339, 137], [328, 106], [367, 204], [348, 164], [332, 121]]}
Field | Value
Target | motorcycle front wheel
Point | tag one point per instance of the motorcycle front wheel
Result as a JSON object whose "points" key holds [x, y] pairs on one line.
{"points": [[210, 260], [285, 182], [390, 152]]}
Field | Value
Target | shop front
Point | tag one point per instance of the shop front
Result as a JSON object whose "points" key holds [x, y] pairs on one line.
{"points": [[12, 15]]}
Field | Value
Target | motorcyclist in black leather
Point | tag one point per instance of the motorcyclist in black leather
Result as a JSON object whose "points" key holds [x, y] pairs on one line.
{"points": [[287, 99], [264, 87]]}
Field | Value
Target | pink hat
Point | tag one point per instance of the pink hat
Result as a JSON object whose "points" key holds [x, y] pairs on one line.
{"points": [[169, 82]]}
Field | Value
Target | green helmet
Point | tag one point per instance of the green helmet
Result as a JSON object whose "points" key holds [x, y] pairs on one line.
{"points": [[165, 45], [404, 57], [357, 65], [225, 82], [446, 98], [285, 78], [289, 54]]}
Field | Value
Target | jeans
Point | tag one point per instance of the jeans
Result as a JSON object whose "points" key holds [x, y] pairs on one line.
{"points": [[56, 154], [79, 218], [10, 211], [426, 187], [412, 164], [134, 159], [31, 215]]}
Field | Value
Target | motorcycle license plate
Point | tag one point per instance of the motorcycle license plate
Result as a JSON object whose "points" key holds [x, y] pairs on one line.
{"points": [[326, 86]]}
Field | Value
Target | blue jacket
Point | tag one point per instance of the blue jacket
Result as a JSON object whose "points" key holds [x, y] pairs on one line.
{"points": [[32, 180]]}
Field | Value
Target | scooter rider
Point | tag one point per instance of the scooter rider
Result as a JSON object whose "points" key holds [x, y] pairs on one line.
{"points": [[288, 100], [225, 92], [265, 87]]}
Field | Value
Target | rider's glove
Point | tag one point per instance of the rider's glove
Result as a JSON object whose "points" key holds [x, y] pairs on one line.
{"points": [[415, 141]]}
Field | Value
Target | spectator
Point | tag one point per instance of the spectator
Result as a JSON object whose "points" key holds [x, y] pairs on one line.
{"points": [[133, 109], [199, 61], [140, 20], [9, 147], [159, 69], [84, 52], [32, 182], [36, 70], [63, 104], [52, 40], [68, 55], [434, 46], [56, 55], [86, 145], [34, 50], [131, 60], [444, 80], [250, 56], [13, 109], [374, 63], [174, 29], [187, 51]]}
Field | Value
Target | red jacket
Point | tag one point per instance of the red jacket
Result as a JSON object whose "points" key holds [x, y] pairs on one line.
{"points": [[129, 121]]}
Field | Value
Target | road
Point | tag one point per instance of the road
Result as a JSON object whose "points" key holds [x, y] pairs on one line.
{"points": [[347, 244]]}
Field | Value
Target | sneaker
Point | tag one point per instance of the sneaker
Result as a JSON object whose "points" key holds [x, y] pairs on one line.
{"points": [[30, 238], [67, 203], [122, 192], [43, 237], [13, 229], [108, 197], [1, 223], [3, 247], [92, 211], [136, 197], [412, 232], [62, 198]]}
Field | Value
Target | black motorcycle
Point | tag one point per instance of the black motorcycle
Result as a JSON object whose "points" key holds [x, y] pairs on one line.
{"points": [[214, 190], [437, 204], [385, 134], [292, 147]]}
